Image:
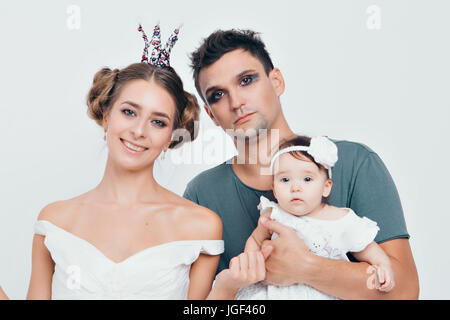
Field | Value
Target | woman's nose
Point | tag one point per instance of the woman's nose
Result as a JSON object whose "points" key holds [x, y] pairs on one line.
{"points": [[138, 129]]}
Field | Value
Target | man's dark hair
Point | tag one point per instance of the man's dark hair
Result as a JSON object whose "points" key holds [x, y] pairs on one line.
{"points": [[221, 42]]}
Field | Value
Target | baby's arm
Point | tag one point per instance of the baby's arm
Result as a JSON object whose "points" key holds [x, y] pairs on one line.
{"points": [[374, 255], [258, 235]]}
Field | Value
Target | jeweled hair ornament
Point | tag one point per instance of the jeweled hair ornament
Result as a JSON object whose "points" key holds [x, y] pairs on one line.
{"points": [[322, 149], [160, 56]]}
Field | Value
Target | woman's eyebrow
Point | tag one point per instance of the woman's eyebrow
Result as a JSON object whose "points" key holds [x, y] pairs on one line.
{"points": [[137, 106], [161, 114], [131, 103]]}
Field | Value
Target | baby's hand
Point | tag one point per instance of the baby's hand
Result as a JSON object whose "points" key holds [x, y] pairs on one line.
{"points": [[385, 278]]}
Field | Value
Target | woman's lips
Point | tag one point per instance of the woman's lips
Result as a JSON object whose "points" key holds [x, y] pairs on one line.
{"points": [[132, 147], [244, 118]]}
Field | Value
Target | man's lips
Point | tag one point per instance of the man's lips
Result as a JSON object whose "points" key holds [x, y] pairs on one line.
{"points": [[244, 118]]}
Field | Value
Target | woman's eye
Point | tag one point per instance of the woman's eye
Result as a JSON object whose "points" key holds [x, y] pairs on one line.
{"points": [[284, 179], [128, 112], [160, 123], [308, 179], [216, 96]]}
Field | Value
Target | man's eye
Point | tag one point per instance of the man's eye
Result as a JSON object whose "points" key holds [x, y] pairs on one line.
{"points": [[308, 179], [284, 179], [128, 112], [160, 123], [216, 96], [248, 79]]}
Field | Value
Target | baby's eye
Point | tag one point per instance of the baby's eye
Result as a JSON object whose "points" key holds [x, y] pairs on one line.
{"points": [[284, 179], [128, 112], [308, 179]]}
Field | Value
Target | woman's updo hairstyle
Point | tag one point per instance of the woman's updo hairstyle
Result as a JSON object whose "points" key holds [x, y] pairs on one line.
{"points": [[108, 84]]}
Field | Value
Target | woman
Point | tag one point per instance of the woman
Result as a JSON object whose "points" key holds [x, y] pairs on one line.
{"points": [[129, 237], [3, 295]]}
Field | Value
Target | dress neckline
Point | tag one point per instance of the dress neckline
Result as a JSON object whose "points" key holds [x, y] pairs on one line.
{"points": [[134, 255]]}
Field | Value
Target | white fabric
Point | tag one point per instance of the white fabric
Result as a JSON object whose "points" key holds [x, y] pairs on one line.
{"points": [[322, 149], [84, 272], [326, 238]]}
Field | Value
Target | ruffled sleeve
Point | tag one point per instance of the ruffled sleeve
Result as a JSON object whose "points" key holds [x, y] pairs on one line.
{"points": [[40, 227], [212, 247], [359, 233], [265, 204]]}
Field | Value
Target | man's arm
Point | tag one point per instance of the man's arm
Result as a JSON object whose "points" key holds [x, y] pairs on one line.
{"points": [[291, 262]]}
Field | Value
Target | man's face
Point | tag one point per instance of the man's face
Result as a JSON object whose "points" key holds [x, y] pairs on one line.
{"points": [[239, 94]]}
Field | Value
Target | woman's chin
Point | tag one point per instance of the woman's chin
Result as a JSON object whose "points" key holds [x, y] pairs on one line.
{"points": [[130, 164]]}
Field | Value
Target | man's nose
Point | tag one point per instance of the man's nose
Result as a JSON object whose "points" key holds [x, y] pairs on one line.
{"points": [[236, 100]]}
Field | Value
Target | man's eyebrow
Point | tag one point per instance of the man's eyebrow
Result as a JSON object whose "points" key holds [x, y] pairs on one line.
{"points": [[210, 89], [137, 106], [246, 71], [241, 74]]}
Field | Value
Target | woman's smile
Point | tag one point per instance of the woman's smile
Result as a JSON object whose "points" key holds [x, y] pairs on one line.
{"points": [[131, 147]]}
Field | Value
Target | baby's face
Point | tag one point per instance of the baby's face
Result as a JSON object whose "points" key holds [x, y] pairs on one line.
{"points": [[299, 185]]}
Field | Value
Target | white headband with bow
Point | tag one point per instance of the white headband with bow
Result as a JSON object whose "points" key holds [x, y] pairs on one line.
{"points": [[322, 149]]}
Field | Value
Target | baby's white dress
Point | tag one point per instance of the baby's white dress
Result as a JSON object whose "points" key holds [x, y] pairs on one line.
{"points": [[83, 272], [325, 238]]}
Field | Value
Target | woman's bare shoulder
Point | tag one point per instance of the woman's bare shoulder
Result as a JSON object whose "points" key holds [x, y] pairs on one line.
{"points": [[198, 221], [60, 212]]}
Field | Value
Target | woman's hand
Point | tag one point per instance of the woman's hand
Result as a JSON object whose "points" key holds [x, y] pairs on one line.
{"points": [[3, 295], [245, 269]]}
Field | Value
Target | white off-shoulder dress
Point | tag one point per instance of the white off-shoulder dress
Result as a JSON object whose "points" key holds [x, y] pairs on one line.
{"points": [[326, 238], [83, 272]]}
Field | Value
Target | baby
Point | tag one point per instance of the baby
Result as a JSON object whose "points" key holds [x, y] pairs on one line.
{"points": [[301, 184]]}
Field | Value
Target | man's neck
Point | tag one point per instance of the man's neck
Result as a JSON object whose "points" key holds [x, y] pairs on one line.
{"points": [[252, 163]]}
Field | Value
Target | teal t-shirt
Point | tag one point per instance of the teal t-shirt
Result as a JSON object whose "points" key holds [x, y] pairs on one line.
{"points": [[360, 182]]}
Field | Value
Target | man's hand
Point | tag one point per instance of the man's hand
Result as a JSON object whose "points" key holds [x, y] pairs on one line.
{"points": [[290, 256]]}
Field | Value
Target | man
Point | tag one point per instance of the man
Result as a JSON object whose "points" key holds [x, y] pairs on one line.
{"points": [[241, 89]]}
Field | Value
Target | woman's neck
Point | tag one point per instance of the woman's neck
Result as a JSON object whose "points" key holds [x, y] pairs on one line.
{"points": [[127, 187]]}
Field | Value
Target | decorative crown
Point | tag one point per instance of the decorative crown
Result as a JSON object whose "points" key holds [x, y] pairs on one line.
{"points": [[160, 57]]}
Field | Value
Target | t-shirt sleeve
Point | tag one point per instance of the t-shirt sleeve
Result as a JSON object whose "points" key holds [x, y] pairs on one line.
{"points": [[375, 196], [190, 193]]}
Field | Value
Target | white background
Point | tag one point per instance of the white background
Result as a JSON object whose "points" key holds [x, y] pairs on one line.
{"points": [[386, 87]]}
